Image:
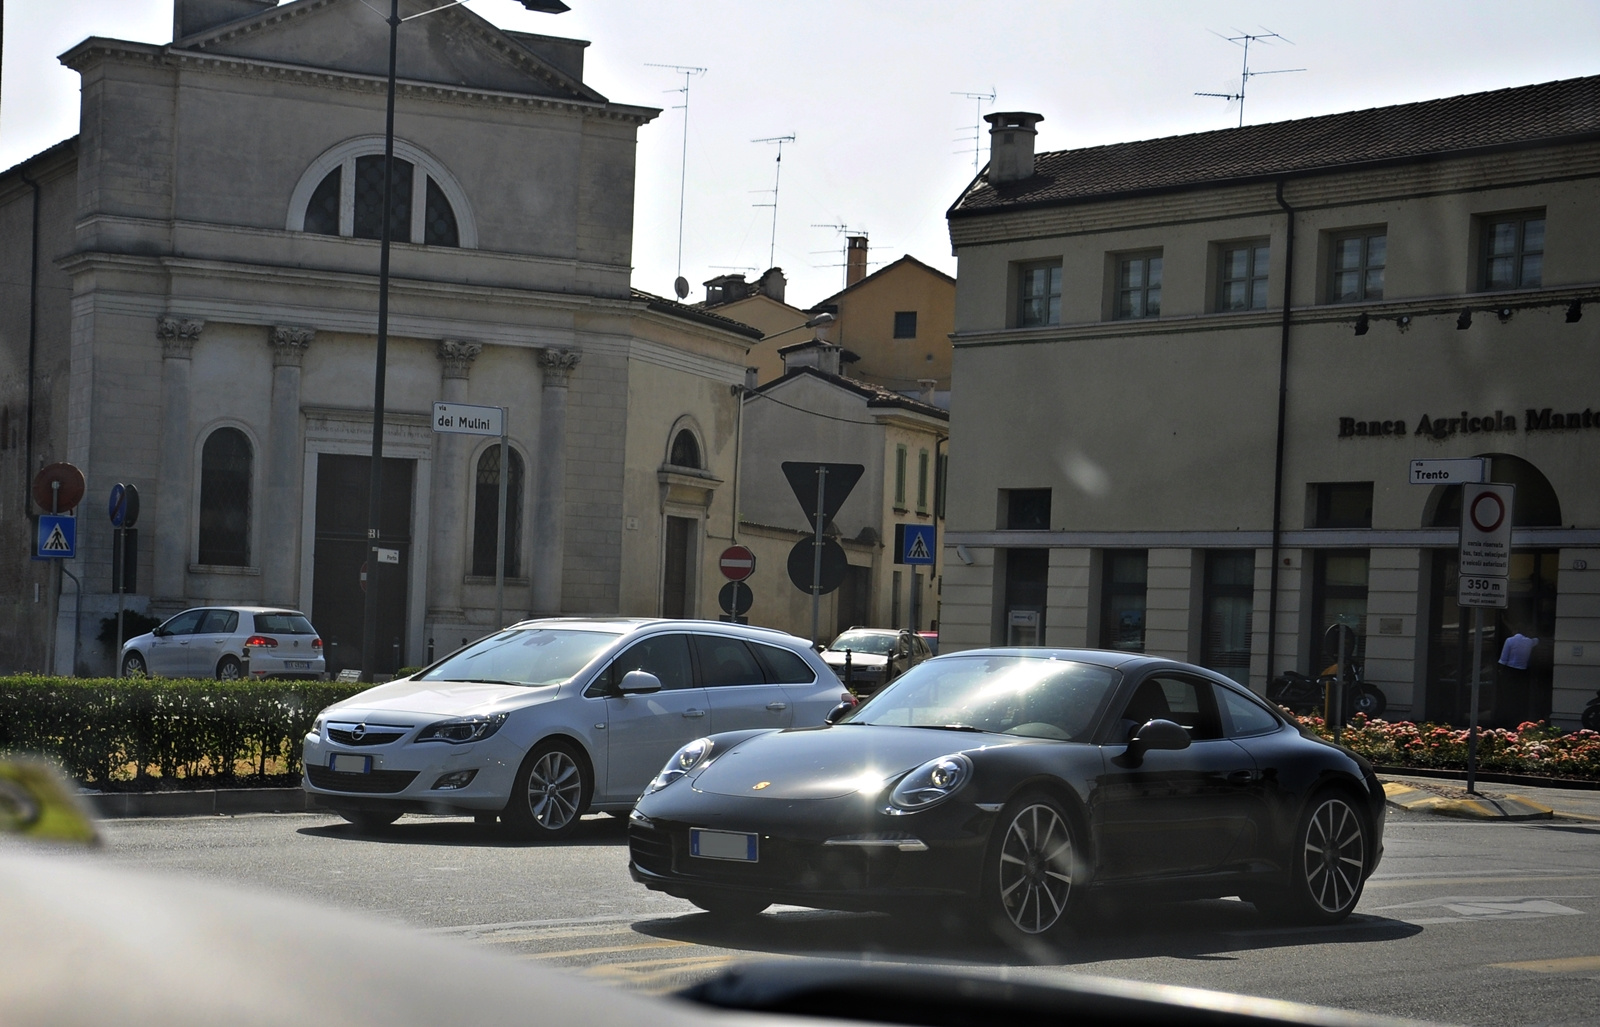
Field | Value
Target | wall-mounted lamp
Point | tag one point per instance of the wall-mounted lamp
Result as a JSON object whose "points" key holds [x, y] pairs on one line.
{"points": [[1465, 320], [964, 555], [1575, 312], [1403, 322], [1361, 325], [1504, 314]]}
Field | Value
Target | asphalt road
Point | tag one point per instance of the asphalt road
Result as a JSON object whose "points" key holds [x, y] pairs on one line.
{"points": [[1464, 922]]}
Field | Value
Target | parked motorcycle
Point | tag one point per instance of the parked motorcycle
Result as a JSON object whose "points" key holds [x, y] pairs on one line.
{"points": [[1304, 694]]}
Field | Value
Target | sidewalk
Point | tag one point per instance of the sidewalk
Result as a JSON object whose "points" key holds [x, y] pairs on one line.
{"points": [[1448, 797]]}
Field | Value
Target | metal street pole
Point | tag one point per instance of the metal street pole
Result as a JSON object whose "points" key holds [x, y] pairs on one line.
{"points": [[816, 556], [500, 528], [369, 624], [1477, 671]]}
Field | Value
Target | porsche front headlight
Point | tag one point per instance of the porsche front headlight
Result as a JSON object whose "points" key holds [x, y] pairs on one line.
{"points": [[682, 761], [930, 784]]}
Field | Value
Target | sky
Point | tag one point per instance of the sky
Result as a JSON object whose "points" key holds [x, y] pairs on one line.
{"points": [[871, 91]]}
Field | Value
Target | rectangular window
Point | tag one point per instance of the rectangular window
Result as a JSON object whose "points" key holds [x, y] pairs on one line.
{"points": [[894, 600], [1027, 509], [1122, 600], [1229, 604], [1357, 266], [922, 482], [899, 477], [1039, 295], [1339, 596], [941, 478], [1139, 285], [905, 324], [1244, 277], [1341, 504], [1513, 252]]}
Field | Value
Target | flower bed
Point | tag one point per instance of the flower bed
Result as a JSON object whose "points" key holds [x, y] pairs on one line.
{"points": [[158, 733], [1533, 748]]}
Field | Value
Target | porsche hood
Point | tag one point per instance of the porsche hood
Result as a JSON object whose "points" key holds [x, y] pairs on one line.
{"points": [[828, 763]]}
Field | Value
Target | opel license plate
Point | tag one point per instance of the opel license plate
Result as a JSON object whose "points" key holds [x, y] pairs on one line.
{"points": [[735, 845], [346, 763]]}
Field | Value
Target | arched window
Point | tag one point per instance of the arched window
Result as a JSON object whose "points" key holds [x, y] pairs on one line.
{"points": [[685, 450], [1536, 504], [486, 516], [342, 194], [225, 499]]}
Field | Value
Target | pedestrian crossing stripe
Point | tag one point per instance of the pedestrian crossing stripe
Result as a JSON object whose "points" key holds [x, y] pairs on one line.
{"points": [[919, 548], [57, 542]]}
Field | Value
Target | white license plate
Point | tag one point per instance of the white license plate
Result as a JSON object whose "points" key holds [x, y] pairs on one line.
{"points": [[345, 763], [723, 845], [296, 664]]}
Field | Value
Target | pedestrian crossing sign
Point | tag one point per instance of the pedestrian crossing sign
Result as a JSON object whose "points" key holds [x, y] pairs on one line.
{"points": [[57, 538], [914, 544]]}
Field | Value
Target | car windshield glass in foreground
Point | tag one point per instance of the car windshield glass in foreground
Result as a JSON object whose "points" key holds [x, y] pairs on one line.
{"points": [[1014, 695], [523, 656], [873, 642], [284, 623]]}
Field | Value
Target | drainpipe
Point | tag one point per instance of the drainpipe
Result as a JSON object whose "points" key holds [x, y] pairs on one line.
{"points": [[1277, 462], [33, 338]]}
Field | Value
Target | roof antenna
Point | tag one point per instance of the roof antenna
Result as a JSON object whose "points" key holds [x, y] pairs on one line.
{"points": [[776, 177], [840, 228], [681, 284], [1244, 39], [977, 124]]}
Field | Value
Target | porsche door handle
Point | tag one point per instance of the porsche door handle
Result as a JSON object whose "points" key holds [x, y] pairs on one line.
{"points": [[694, 713], [1244, 777], [777, 707]]}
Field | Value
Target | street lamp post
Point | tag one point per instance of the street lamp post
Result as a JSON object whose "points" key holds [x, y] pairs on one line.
{"points": [[369, 622]]}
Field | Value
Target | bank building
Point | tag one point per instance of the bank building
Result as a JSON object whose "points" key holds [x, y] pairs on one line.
{"points": [[190, 294], [1191, 374]]}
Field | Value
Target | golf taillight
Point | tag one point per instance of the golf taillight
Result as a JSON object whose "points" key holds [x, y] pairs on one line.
{"points": [[260, 642], [316, 643]]}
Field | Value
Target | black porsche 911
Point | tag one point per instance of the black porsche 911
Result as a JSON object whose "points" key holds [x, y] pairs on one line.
{"points": [[1013, 783]]}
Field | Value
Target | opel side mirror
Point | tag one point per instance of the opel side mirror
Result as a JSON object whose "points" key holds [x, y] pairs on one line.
{"points": [[1157, 734], [641, 682]]}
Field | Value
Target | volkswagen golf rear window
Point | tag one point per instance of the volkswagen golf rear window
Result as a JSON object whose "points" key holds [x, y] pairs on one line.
{"points": [[284, 624]]}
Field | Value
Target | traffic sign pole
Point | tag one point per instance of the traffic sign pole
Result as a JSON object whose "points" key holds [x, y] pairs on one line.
{"points": [[1484, 561], [816, 554], [500, 529]]}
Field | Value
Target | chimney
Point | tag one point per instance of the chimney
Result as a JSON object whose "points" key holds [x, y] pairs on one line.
{"points": [[193, 16], [824, 356], [855, 259], [752, 378], [1011, 146], [772, 283], [726, 289], [927, 390]]}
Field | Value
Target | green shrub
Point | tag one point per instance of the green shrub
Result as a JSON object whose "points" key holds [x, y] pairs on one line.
{"points": [[108, 732]]}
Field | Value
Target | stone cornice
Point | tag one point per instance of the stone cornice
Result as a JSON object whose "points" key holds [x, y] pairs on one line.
{"points": [[85, 53], [289, 343], [178, 335]]}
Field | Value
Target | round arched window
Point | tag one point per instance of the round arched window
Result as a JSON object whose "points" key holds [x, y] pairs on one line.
{"points": [[685, 450]]}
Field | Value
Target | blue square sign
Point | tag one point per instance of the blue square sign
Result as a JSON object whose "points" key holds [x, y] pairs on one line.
{"points": [[914, 544], [57, 538]]}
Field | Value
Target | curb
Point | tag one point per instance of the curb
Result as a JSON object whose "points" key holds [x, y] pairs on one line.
{"points": [[199, 803], [1494, 777], [1480, 807]]}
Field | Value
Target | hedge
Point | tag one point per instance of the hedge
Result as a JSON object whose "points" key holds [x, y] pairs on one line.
{"points": [[147, 733]]}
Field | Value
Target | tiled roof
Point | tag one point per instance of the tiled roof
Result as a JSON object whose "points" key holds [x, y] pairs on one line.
{"points": [[875, 395], [662, 305], [908, 258], [1504, 118]]}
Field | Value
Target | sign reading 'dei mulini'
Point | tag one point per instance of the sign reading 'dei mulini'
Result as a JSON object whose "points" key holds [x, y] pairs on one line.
{"points": [[1545, 419], [466, 419]]}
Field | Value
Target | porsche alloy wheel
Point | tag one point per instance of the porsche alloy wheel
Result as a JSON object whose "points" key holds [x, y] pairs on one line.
{"points": [[1033, 873], [1333, 856], [549, 795]]}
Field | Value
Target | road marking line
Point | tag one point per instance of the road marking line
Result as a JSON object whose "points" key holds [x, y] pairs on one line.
{"points": [[533, 924], [1575, 964], [603, 950], [678, 965], [1396, 882], [512, 937]]}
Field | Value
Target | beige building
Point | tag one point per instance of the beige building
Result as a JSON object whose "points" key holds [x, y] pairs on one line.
{"points": [[814, 414], [190, 295], [1191, 375]]}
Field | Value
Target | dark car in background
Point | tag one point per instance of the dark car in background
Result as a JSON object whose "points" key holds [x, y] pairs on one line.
{"points": [[873, 657]]}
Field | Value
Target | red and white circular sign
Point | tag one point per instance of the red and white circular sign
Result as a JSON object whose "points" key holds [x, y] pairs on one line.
{"points": [[737, 563]]}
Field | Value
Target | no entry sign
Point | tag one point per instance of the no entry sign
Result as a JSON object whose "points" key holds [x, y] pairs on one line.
{"points": [[737, 563]]}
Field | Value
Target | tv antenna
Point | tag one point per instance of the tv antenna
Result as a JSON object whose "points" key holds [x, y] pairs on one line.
{"points": [[680, 285], [1244, 39], [977, 123], [840, 228], [777, 175]]}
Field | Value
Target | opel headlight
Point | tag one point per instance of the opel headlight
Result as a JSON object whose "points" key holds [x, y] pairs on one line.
{"points": [[931, 783], [682, 761], [462, 729]]}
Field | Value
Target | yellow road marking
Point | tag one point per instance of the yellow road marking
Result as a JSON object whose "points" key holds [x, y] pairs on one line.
{"points": [[604, 950], [1576, 964], [509, 938], [677, 966]]}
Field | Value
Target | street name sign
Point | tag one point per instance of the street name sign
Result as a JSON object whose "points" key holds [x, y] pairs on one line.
{"points": [[57, 538], [1457, 471], [465, 419]]}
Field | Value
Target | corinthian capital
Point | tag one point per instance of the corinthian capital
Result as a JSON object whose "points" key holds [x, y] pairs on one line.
{"points": [[457, 356], [557, 365], [178, 335], [289, 343]]}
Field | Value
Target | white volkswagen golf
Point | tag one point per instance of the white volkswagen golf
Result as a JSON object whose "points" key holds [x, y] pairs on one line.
{"points": [[548, 719]]}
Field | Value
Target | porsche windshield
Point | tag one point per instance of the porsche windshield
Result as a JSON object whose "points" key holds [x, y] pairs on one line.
{"points": [[1015, 695], [523, 656]]}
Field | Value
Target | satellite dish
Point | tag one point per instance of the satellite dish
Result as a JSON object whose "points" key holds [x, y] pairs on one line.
{"points": [[681, 287]]}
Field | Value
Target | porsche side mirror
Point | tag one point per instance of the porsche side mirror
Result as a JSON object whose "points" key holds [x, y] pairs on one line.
{"points": [[838, 712], [640, 682], [1157, 734]]}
